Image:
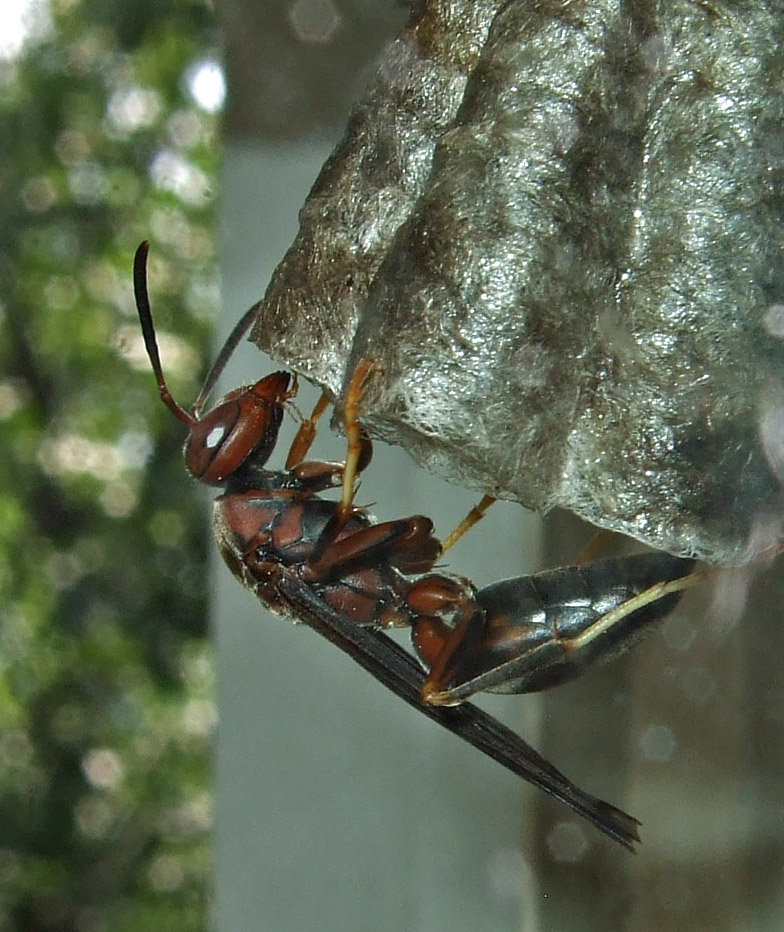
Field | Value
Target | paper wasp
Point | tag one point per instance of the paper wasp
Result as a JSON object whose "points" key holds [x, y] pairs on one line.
{"points": [[329, 564]]}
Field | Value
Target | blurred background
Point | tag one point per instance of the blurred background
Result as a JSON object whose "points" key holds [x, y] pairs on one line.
{"points": [[108, 135], [336, 807]]}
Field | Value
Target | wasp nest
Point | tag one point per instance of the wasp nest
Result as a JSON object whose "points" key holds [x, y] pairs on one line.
{"points": [[557, 227]]}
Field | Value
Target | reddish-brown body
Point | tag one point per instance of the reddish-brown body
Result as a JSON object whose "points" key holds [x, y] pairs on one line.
{"points": [[328, 564], [274, 532]]}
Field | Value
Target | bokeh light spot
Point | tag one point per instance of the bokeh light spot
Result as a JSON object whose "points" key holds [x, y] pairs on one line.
{"points": [[658, 743], [567, 843], [207, 85], [314, 21], [103, 768]]}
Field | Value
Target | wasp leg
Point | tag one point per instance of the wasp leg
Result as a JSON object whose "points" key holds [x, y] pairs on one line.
{"points": [[316, 475], [306, 434], [360, 446], [599, 543], [473, 517], [431, 600], [543, 630]]}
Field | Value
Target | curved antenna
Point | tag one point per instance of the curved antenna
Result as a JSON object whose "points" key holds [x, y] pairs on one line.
{"points": [[148, 331], [240, 329]]}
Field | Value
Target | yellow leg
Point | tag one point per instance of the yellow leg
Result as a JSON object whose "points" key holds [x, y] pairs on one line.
{"points": [[600, 541], [306, 434], [354, 434], [653, 594], [473, 517]]}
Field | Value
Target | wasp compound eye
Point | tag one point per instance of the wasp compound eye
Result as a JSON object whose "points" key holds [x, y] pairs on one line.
{"points": [[244, 424]]}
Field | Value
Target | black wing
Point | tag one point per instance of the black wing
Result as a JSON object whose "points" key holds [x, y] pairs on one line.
{"points": [[391, 665]]}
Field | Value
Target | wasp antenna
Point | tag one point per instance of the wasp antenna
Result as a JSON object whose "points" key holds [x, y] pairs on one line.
{"points": [[148, 332], [239, 331]]}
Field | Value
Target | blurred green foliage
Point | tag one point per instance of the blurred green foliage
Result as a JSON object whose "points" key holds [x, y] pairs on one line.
{"points": [[106, 702]]}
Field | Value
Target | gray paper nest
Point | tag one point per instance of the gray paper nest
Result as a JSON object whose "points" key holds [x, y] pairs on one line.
{"points": [[557, 227]]}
